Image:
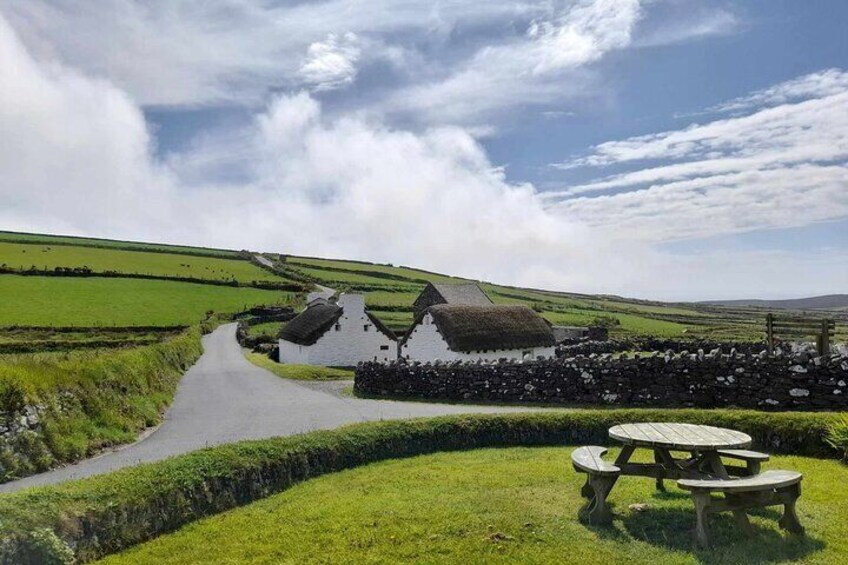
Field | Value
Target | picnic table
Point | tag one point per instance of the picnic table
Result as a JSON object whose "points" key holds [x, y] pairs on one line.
{"points": [[700, 470], [704, 444]]}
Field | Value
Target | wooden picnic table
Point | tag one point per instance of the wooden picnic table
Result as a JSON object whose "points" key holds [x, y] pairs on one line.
{"points": [[702, 443]]}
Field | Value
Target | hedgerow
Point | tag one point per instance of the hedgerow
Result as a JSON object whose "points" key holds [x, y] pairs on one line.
{"points": [[85, 400], [104, 514]]}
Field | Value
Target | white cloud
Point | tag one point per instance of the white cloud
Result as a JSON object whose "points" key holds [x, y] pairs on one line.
{"points": [[814, 85], [542, 65], [785, 165], [76, 157], [331, 64]]}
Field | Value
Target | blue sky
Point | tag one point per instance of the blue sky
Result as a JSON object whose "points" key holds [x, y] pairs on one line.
{"points": [[670, 149]]}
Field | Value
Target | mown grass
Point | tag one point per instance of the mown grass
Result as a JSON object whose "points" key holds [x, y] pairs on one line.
{"points": [[103, 514], [63, 301], [46, 257], [516, 505], [111, 243], [299, 372]]}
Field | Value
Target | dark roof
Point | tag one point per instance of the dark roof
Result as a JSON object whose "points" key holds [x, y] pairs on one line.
{"points": [[312, 323], [477, 328], [468, 294], [308, 326]]}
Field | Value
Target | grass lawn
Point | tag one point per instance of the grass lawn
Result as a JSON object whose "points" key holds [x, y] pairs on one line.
{"points": [[299, 372], [271, 329], [42, 256], [406, 272], [63, 301], [515, 505]]}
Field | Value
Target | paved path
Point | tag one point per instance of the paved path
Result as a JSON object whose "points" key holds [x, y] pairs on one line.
{"points": [[225, 398]]}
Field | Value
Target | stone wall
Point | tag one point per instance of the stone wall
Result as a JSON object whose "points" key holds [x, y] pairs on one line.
{"points": [[782, 382], [576, 347]]}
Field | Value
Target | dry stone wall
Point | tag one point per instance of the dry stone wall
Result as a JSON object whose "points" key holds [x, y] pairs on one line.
{"points": [[714, 380]]}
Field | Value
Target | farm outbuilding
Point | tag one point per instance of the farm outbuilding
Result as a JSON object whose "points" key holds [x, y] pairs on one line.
{"points": [[463, 294], [447, 332], [339, 334]]}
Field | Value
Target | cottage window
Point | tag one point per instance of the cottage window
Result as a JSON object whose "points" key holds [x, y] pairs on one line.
{"points": [[338, 327], [365, 328], [384, 348]]}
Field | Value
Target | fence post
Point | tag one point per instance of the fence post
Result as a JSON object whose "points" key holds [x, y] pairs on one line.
{"points": [[770, 333], [825, 337]]}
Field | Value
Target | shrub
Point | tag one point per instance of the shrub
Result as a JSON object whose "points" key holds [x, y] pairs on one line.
{"points": [[837, 436], [108, 513]]}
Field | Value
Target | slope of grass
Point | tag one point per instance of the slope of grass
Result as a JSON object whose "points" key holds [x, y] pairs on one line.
{"points": [[299, 372], [47, 257], [517, 505], [404, 272], [61, 301], [88, 400], [17, 237], [268, 329]]}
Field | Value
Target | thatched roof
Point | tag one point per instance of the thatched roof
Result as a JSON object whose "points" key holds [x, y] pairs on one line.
{"points": [[307, 327], [312, 323], [467, 294], [480, 328]]}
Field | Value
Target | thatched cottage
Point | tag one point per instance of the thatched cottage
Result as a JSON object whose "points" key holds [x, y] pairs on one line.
{"points": [[467, 294], [337, 334], [449, 332]]}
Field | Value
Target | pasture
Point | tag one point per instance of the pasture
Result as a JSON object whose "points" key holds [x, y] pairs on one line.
{"points": [[517, 505], [22, 256], [18, 237], [93, 301]]}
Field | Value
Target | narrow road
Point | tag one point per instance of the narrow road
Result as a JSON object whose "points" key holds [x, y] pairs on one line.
{"points": [[224, 398]]}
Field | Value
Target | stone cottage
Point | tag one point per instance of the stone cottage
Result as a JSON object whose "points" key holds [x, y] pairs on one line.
{"points": [[468, 294], [337, 334], [448, 332]]}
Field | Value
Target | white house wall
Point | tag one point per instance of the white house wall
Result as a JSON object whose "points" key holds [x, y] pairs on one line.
{"points": [[427, 344], [346, 346]]}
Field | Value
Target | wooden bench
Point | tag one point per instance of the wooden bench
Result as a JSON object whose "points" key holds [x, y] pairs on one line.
{"points": [[752, 459], [767, 489], [600, 478]]}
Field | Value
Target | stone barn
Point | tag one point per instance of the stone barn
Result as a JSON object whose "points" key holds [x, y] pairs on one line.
{"points": [[468, 294], [447, 332], [338, 334]]}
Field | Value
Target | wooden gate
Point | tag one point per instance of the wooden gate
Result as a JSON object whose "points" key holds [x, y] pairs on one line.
{"points": [[779, 328]]}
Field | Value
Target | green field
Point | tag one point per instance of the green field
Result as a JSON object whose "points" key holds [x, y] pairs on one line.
{"points": [[46, 257], [404, 272], [268, 329], [299, 372], [111, 243], [517, 505], [92, 301]]}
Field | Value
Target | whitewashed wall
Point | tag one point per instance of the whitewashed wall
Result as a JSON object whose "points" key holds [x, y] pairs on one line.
{"points": [[347, 345], [426, 344]]}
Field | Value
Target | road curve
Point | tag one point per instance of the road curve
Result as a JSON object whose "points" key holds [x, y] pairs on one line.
{"points": [[224, 398]]}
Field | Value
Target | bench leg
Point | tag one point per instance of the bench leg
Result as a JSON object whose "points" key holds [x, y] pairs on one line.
{"points": [[789, 521], [742, 521], [598, 510], [587, 491], [659, 459], [753, 468], [702, 502]]}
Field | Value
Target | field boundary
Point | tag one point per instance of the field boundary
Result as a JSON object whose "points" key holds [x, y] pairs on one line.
{"points": [[90, 518]]}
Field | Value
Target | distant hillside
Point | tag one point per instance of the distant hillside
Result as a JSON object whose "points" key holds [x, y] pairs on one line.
{"points": [[826, 302]]}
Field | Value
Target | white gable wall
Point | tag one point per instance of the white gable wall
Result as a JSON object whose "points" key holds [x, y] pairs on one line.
{"points": [[346, 343], [427, 344]]}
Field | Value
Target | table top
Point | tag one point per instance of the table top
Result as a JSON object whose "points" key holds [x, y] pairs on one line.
{"points": [[687, 437]]}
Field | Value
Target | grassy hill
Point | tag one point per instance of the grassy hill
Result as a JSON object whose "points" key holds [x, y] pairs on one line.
{"points": [[128, 298], [826, 302]]}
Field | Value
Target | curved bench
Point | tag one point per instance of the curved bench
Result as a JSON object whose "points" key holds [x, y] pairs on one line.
{"points": [[752, 459], [600, 478], [767, 489]]}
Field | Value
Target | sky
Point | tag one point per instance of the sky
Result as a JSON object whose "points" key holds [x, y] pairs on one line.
{"points": [[662, 149]]}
